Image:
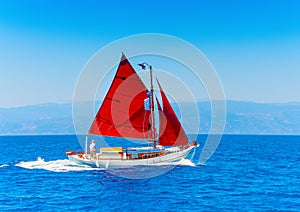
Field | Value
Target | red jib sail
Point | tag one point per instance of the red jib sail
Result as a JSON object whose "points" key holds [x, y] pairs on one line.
{"points": [[171, 131], [122, 112]]}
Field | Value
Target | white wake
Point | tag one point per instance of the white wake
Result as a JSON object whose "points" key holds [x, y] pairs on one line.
{"points": [[55, 165], [185, 162], [3, 165]]}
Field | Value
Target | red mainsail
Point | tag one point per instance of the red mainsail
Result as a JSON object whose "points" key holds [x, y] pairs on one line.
{"points": [[122, 112], [171, 131]]}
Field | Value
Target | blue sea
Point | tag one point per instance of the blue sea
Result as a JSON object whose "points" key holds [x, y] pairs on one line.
{"points": [[246, 173]]}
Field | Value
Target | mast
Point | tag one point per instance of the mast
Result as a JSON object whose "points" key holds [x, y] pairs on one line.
{"points": [[86, 144], [152, 110]]}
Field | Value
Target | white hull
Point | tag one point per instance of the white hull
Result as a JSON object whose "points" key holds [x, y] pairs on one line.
{"points": [[171, 156]]}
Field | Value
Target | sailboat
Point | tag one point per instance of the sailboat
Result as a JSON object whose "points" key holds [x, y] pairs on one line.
{"points": [[127, 111]]}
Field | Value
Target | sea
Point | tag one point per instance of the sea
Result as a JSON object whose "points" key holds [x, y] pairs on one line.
{"points": [[246, 173]]}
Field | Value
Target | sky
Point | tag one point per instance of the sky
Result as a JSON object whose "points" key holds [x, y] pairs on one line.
{"points": [[254, 46]]}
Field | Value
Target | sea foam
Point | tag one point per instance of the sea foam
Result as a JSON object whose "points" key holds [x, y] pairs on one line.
{"points": [[55, 165], [3, 165]]}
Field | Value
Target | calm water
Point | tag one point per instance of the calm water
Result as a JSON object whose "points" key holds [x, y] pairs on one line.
{"points": [[245, 173]]}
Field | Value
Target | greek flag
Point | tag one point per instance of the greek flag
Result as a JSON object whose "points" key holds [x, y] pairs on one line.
{"points": [[147, 104]]}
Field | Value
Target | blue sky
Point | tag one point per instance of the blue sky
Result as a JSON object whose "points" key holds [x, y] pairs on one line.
{"points": [[253, 45]]}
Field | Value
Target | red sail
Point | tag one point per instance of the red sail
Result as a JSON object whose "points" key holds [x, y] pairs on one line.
{"points": [[171, 131], [122, 112]]}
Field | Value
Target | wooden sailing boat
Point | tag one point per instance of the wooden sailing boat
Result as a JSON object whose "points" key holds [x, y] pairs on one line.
{"points": [[127, 111]]}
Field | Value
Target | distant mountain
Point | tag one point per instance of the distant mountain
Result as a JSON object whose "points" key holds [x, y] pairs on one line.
{"points": [[37, 119], [250, 118], [262, 118], [242, 118]]}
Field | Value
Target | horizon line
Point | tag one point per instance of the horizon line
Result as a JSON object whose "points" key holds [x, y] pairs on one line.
{"points": [[205, 134], [199, 100]]}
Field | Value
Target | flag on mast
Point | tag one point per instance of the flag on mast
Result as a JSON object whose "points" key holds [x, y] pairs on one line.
{"points": [[147, 102]]}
